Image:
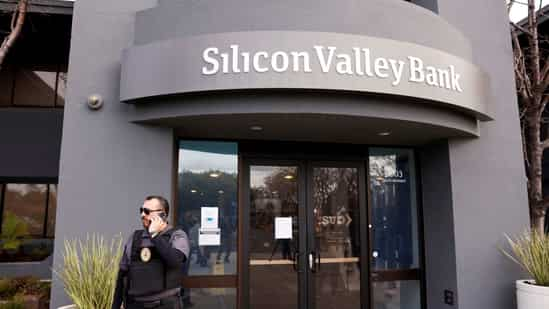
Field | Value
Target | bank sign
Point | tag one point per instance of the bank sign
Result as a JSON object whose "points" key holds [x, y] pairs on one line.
{"points": [[358, 61], [293, 60]]}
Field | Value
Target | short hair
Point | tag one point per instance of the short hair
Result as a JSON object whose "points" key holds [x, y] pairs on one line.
{"points": [[163, 202]]}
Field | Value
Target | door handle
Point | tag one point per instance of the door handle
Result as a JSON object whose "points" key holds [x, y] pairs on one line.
{"points": [[312, 262], [318, 261], [296, 261]]}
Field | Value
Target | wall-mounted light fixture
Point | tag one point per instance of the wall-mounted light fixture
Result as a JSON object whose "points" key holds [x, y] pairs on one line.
{"points": [[95, 102]]}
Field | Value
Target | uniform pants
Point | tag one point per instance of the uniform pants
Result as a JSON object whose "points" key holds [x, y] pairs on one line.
{"points": [[169, 303]]}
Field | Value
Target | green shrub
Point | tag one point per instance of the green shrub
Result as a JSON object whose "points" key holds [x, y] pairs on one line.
{"points": [[10, 288], [90, 270], [13, 304], [531, 251], [13, 289], [13, 229], [7, 289]]}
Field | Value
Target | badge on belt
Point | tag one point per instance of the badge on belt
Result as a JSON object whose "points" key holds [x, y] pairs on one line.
{"points": [[145, 254]]}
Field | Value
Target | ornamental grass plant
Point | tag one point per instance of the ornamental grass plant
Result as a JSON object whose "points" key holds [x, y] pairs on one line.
{"points": [[89, 271], [530, 250]]}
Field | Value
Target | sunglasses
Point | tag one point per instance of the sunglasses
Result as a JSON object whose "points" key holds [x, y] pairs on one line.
{"points": [[148, 211]]}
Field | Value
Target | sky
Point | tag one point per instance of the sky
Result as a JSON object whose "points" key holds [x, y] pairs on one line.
{"points": [[518, 12], [520, 9]]}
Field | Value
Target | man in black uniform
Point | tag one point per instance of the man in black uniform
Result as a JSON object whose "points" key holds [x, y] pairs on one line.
{"points": [[150, 269]]}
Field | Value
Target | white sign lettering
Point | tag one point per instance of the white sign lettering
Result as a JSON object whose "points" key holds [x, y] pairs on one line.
{"points": [[358, 62], [336, 220]]}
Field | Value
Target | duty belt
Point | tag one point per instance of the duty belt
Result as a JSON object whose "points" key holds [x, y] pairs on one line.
{"points": [[156, 297], [172, 300]]}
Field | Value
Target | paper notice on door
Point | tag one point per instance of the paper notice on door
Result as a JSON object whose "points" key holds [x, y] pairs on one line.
{"points": [[283, 228], [209, 237], [209, 217]]}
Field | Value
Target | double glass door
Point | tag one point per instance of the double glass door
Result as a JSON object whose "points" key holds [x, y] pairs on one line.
{"points": [[306, 235]]}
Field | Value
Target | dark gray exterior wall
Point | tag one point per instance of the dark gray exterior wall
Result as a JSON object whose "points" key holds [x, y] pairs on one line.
{"points": [[31, 142], [374, 18], [438, 222], [109, 163], [488, 180]]}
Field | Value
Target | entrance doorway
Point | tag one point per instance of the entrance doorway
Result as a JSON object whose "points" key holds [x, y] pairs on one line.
{"points": [[301, 225], [305, 238]]}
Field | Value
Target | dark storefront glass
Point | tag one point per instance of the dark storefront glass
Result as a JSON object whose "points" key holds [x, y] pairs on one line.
{"points": [[27, 203], [62, 78], [396, 294], [394, 209], [6, 85], [207, 177], [394, 256], [28, 222], [213, 298], [322, 201], [273, 278], [35, 88], [52, 210]]}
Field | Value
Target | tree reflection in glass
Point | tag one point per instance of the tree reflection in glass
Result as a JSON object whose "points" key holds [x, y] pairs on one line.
{"points": [[337, 237], [273, 193]]}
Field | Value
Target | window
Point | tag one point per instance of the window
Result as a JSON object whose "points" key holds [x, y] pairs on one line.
{"points": [[207, 179], [207, 211], [33, 86], [395, 258], [6, 85], [394, 209], [61, 87], [28, 221], [396, 294]]}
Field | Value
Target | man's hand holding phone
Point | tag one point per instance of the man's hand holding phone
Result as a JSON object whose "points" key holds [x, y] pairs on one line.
{"points": [[158, 223]]}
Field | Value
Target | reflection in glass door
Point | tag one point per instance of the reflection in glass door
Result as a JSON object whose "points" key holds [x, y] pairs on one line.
{"points": [[273, 237], [335, 238]]}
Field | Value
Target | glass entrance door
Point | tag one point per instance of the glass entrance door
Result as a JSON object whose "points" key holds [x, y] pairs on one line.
{"points": [[304, 236], [275, 211], [334, 237]]}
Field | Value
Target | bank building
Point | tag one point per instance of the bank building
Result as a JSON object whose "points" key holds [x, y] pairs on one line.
{"points": [[350, 154]]}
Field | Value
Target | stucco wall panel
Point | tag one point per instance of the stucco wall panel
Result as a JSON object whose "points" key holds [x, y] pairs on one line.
{"points": [[394, 19], [488, 178], [108, 164]]}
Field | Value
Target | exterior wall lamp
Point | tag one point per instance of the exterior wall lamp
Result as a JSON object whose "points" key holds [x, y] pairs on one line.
{"points": [[95, 102]]}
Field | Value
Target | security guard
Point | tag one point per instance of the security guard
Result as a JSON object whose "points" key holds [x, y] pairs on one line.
{"points": [[150, 269]]}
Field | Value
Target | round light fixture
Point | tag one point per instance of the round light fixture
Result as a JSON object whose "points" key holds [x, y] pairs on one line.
{"points": [[289, 177], [94, 102], [193, 191], [387, 133], [214, 175]]}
